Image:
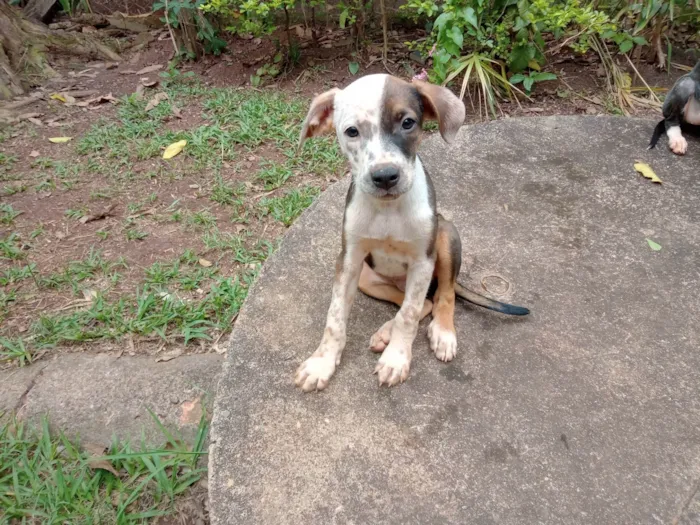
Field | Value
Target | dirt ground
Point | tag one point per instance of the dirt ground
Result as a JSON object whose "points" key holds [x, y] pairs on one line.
{"points": [[107, 247]]}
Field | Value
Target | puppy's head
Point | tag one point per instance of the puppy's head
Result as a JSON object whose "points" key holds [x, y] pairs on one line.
{"points": [[378, 120]]}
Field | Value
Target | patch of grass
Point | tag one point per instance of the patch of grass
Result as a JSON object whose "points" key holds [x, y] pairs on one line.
{"points": [[14, 350], [236, 246], [43, 163], [274, 174], [47, 478], [202, 219], [224, 193], [36, 232], [76, 213], [6, 161], [185, 273], [9, 249], [78, 271], [48, 184], [14, 189], [147, 313], [132, 234], [8, 214], [16, 274], [287, 208]]}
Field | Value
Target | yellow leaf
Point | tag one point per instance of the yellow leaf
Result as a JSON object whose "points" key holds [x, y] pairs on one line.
{"points": [[60, 140], [647, 172], [174, 149], [205, 263], [532, 64], [58, 96]]}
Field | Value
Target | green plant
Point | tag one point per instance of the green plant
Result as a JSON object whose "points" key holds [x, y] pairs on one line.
{"points": [[287, 208], [529, 80], [70, 7], [47, 478], [8, 214], [508, 37], [191, 32], [267, 71], [14, 350]]}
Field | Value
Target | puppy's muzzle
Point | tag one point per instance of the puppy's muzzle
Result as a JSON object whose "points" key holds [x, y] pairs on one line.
{"points": [[385, 176]]}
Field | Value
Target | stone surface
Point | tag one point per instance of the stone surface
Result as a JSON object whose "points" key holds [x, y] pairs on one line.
{"points": [[587, 412], [96, 397]]}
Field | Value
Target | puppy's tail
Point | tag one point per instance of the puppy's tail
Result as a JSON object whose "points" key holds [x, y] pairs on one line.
{"points": [[659, 130], [491, 304]]}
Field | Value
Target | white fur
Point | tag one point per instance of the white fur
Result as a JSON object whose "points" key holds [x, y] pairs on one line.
{"points": [[676, 141]]}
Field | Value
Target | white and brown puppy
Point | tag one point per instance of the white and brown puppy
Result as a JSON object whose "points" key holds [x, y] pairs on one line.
{"points": [[394, 243]]}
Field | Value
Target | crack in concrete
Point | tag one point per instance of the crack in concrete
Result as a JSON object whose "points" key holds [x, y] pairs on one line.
{"points": [[22, 401], [688, 501]]}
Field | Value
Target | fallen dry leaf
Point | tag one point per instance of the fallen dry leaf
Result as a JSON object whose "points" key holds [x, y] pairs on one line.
{"points": [[169, 356], [176, 111], [98, 216], [205, 263], [157, 99], [34, 153], [191, 412], [60, 140], [95, 462], [174, 149], [149, 69], [35, 121], [647, 172]]}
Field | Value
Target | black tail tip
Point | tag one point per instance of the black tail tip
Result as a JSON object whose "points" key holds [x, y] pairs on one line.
{"points": [[510, 309]]}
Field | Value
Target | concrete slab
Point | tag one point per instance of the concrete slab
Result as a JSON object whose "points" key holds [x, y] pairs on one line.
{"points": [[587, 412], [96, 397]]}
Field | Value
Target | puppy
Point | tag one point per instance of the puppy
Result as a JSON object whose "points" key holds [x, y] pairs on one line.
{"points": [[394, 243], [681, 106]]}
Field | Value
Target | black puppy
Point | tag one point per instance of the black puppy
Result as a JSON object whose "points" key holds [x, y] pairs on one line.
{"points": [[681, 106]]}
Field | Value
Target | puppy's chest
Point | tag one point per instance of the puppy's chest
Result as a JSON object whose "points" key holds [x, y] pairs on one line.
{"points": [[691, 113], [393, 240]]}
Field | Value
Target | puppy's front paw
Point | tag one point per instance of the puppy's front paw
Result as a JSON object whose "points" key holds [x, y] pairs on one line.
{"points": [[379, 341], [394, 365], [315, 372], [442, 341], [678, 144]]}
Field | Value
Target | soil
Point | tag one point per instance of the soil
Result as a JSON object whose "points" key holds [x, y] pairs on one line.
{"points": [[581, 89]]}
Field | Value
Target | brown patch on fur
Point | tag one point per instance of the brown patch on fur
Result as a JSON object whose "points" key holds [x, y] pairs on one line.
{"points": [[446, 270], [441, 104], [319, 119], [389, 246], [374, 285], [400, 101]]}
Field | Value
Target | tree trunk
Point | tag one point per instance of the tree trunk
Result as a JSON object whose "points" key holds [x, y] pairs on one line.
{"points": [[24, 45]]}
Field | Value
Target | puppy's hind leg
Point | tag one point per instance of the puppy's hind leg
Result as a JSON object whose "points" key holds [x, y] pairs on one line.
{"points": [[374, 285], [442, 334]]}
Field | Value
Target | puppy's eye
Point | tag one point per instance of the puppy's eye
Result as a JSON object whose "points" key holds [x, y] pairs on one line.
{"points": [[408, 123], [352, 132]]}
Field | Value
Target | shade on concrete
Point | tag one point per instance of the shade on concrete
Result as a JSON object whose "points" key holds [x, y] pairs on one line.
{"points": [[586, 412]]}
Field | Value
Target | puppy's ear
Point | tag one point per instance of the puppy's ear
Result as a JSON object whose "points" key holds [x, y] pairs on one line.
{"points": [[441, 104], [319, 120]]}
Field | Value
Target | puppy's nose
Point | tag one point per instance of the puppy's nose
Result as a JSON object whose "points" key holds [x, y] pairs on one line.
{"points": [[386, 176]]}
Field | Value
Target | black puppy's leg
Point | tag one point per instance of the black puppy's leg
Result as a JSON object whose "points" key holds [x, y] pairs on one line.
{"points": [[675, 104]]}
